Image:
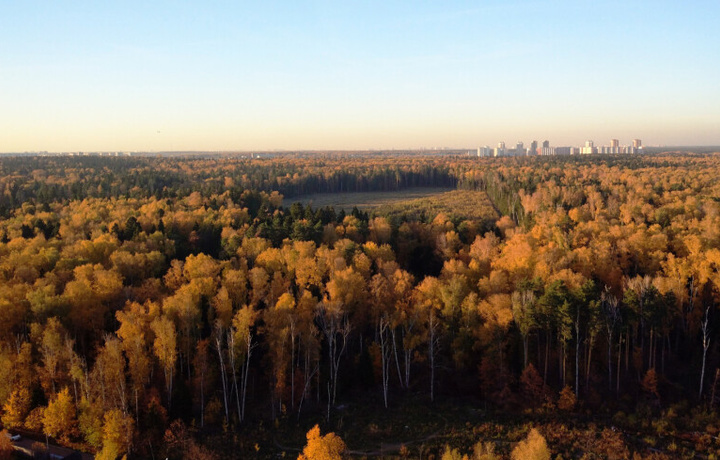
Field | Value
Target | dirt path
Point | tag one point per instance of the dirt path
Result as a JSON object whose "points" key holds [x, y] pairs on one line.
{"points": [[385, 447], [393, 447]]}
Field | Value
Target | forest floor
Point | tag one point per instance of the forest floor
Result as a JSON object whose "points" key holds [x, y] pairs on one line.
{"points": [[412, 427]]}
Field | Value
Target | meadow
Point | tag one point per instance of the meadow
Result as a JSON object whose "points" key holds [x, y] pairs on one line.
{"points": [[366, 201]]}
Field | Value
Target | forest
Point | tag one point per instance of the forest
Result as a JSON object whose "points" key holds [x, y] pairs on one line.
{"points": [[190, 307]]}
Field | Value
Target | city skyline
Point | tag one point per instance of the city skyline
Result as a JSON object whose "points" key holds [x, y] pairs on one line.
{"points": [[545, 149], [131, 76]]}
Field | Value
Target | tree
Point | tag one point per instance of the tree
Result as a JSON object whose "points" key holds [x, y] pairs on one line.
{"points": [[485, 451], [533, 447], [309, 337], [280, 332], [165, 347], [406, 320], [109, 374], [335, 326], [134, 322], [382, 301], [429, 303], [201, 364], [649, 383], [7, 449], [328, 447], [241, 345], [59, 418], [89, 295], [567, 400], [704, 327], [523, 313], [586, 313], [531, 386], [639, 294], [117, 435], [16, 408], [451, 454], [183, 308], [610, 306], [52, 338], [555, 306]]}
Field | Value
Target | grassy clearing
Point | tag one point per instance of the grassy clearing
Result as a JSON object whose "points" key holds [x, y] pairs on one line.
{"points": [[456, 204], [365, 201], [411, 204]]}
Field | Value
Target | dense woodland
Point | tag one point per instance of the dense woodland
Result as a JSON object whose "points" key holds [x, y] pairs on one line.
{"points": [[147, 303]]}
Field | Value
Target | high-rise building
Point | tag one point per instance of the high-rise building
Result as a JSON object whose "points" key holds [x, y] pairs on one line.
{"points": [[589, 148], [546, 144], [637, 143], [484, 151], [614, 147], [533, 148], [500, 149]]}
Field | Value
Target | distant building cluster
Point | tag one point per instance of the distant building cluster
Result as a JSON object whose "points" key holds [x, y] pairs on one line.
{"points": [[545, 149]]}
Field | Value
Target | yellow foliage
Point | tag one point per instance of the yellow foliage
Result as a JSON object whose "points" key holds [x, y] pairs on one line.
{"points": [[16, 408], [34, 420], [485, 451], [567, 400], [117, 434], [59, 418], [328, 447], [451, 454], [533, 447], [200, 266]]}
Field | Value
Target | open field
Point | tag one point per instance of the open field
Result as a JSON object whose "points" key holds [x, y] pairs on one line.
{"points": [[410, 203], [366, 201], [455, 204]]}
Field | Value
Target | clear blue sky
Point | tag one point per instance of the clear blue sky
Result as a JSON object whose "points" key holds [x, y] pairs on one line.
{"points": [[174, 75]]}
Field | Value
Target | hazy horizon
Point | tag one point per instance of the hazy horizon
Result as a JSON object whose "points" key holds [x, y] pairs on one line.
{"points": [[132, 76]]}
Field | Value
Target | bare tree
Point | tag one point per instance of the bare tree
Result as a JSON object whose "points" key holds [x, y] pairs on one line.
{"points": [[706, 344]]}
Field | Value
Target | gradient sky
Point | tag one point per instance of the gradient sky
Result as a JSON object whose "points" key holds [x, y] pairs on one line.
{"points": [[175, 75]]}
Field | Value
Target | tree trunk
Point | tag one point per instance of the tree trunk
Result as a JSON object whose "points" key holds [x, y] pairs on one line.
{"points": [[547, 357], [233, 366], [292, 366], [395, 353], [617, 376], [577, 354], [650, 349], [246, 371], [431, 354], [384, 356], [223, 376], [591, 344], [706, 345], [609, 360]]}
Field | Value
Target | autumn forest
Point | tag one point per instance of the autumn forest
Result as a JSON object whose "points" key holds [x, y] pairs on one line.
{"points": [[194, 307]]}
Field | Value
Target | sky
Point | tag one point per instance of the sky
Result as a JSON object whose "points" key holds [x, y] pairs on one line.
{"points": [[296, 75]]}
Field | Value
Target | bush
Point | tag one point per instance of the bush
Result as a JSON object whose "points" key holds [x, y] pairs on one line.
{"points": [[533, 447]]}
